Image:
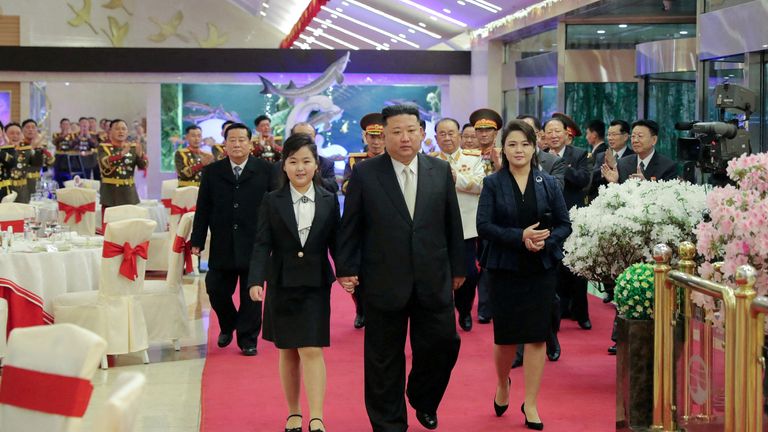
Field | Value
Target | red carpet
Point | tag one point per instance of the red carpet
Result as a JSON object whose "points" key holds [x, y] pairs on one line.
{"points": [[578, 392]]}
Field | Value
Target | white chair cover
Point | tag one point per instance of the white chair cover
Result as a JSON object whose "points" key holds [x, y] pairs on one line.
{"points": [[166, 191], [83, 183], [76, 197], [3, 326], [112, 312], [120, 412], [60, 349], [11, 197], [123, 212], [165, 309], [15, 213], [183, 201]]}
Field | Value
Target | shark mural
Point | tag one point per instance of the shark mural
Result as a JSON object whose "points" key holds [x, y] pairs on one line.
{"points": [[333, 75]]}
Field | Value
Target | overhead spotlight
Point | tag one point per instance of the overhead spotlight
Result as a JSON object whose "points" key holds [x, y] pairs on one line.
{"points": [[334, 16], [324, 26], [461, 2], [765, 46], [433, 18], [447, 11], [393, 40], [345, 3], [601, 32], [622, 26], [385, 44], [263, 13], [411, 31], [421, 24], [402, 35], [265, 5], [66, 84], [339, 10]]}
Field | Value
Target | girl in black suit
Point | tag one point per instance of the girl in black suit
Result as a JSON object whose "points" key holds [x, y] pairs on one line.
{"points": [[523, 217], [296, 228]]}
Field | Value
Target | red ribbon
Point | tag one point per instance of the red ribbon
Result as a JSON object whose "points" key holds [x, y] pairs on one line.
{"points": [[166, 202], [44, 392], [180, 245], [78, 212], [16, 225], [129, 253], [176, 210]]}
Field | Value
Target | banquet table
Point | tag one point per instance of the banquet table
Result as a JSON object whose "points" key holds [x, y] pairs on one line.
{"points": [[48, 211], [29, 281]]}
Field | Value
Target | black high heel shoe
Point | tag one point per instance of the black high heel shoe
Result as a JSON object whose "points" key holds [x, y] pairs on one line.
{"points": [[296, 429], [530, 424], [501, 409], [316, 430]]}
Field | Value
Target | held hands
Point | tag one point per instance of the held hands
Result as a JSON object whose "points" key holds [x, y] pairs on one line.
{"points": [[457, 281], [348, 283], [611, 175], [257, 293], [195, 251], [534, 239]]}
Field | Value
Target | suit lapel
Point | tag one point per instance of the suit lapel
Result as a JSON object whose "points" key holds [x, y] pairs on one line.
{"points": [[248, 171], [391, 187], [226, 171], [541, 194], [508, 193], [285, 208], [422, 186], [323, 206], [650, 170]]}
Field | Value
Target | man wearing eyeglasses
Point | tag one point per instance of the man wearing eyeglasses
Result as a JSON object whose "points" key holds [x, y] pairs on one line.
{"points": [[468, 172], [618, 137], [646, 164]]}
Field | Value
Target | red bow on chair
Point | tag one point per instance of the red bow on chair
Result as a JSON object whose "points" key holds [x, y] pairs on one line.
{"points": [[176, 210], [32, 390], [166, 202], [78, 212], [180, 245], [129, 253], [16, 225]]}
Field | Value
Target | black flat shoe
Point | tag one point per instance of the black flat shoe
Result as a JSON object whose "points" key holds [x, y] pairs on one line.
{"points": [[429, 421], [483, 320], [465, 322], [224, 339], [316, 430], [249, 351], [296, 429], [359, 321], [586, 324], [501, 409], [612, 350], [529, 424]]}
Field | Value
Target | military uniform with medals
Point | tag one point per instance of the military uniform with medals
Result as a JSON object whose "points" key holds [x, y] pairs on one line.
{"points": [[218, 152], [269, 152], [486, 118], [189, 166], [67, 157], [372, 124], [27, 160], [7, 162], [117, 170]]}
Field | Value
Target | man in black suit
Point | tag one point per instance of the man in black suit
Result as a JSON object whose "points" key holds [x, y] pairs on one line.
{"points": [[596, 139], [228, 203], [401, 236], [646, 163], [572, 289]]}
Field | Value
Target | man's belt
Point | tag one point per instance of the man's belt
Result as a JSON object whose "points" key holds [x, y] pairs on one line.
{"points": [[67, 153], [18, 183], [183, 183], [33, 175], [5, 183], [117, 182]]}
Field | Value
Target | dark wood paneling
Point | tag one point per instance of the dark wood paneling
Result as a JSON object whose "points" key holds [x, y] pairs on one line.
{"points": [[15, 89], [176, 60]]}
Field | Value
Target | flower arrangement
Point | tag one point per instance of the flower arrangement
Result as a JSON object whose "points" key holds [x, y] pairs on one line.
{"points": [[634, 292], [623, 224], [737, 229]]}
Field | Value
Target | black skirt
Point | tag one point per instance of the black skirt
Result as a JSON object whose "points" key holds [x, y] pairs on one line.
{"points": [[522, 305], [297, 317]]}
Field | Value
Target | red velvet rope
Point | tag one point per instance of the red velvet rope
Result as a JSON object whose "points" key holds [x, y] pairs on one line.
{"points": [[44, 392]]}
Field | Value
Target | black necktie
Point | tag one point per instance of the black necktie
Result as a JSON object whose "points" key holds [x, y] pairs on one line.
{"points": [[642, 167], [237, 172]]}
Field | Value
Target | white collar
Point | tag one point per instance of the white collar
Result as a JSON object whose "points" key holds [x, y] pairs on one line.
{"points": [[647, 160], [296, 195], [242, 165], [414, 165], [561, 153]]}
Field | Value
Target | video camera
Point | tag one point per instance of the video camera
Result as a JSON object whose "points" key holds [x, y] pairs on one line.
{"points": [[712, 144]]}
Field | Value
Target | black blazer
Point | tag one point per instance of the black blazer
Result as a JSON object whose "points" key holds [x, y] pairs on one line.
{"points": [[497, 221], [291, 264], [577, 176], [659, 168], [597, 175], [394, 256], [230, 208]]}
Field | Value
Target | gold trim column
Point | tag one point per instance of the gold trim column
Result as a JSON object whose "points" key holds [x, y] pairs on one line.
{"points": [[663, 391], [687, 251], [747, 357]]}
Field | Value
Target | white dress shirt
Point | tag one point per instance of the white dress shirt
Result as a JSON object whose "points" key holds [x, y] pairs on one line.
{"points": [[398, 166], [304, 210], [242, 166], [620, 153], [647, 159]]}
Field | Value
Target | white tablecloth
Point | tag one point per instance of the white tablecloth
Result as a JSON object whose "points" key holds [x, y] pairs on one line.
{"points": [[37, 278], [48, 211]]}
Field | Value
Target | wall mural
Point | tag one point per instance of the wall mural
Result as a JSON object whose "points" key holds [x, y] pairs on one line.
{"points": [[332, 107]]}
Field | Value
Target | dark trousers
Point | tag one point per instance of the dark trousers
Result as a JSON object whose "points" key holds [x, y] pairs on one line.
{"points": [[359, 296], [92, 171], [464, 297], [572, 290], [483, 287], [435, 347], [220, 286]]}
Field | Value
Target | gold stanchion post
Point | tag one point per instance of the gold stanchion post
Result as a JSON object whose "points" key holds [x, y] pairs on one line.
{"points": [[747, 357], [687, 252], [663, 415]]}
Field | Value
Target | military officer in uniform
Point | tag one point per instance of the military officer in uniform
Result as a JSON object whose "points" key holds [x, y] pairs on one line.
{"points": [[468, 174], [118, 160], [372, 126], [20, 159], [265, 145], [35, 141], [86, 144], [7, 162], [487, 123], [218, 150], [191, 160], [67, 157]]}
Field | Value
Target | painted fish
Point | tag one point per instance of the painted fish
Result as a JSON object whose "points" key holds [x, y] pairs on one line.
{"points": [[334, 74]]}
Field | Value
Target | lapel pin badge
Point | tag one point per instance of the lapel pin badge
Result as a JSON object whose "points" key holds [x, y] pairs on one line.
{"points": [[539, 179]]}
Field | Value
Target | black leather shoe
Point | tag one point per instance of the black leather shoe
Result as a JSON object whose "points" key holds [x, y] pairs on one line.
{"points": [[296, 429], [529, 424], [586, 325], [553, 348], [429, 421], [465, 322], [249, 351], [224, 339], [612, 350], [483, 320], [359, 321], [501, 409]]}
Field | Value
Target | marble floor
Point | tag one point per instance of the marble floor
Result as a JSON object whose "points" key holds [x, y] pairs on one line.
{"points": [[171, 398]]}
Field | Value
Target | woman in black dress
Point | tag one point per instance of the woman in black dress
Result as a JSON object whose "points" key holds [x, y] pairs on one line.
{"points": [[296, 228], [522, 216]]}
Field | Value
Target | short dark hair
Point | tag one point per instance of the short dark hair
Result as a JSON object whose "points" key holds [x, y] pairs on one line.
{"points": [[623, 126], [467, 125], [293, 128], [28, 121], [237, 126], [64, 120], [91, 118], [116, 121], [81, 119], [260, 119], [530, 135], [226, 123], [191, 127], [8, 126], [534, 119], [396, 110], [1, 126], [294, 143], [650, 124], [446, 119], [597, 126], [107, 120]]}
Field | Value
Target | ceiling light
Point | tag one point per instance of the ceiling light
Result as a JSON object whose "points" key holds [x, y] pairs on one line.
{"points": [[263, 13], [335, 39], [622, 26], [340, 9], [350, 33], [421, 24], [447, 11], [683, 32], [315, 41], [601, 32], [765, 46], [461, 3], [411, 31], [490, 7], [334, 16], [395, 19], [265, 5], [434, 14], [345, 3], [402, 35], [324, 26], [386, 44], [393, 40], [432, 17], [376, 29]]}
